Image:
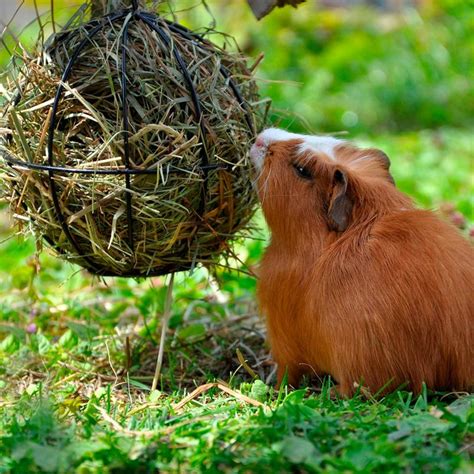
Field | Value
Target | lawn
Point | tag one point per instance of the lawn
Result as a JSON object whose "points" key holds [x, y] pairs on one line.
{"points": [[78, 354]]}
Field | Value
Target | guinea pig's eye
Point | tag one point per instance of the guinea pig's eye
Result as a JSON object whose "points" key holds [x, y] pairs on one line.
{"points": [[302, 172]]}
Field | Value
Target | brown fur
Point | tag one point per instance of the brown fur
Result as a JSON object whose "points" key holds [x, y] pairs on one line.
{"points": [[356, 282]]}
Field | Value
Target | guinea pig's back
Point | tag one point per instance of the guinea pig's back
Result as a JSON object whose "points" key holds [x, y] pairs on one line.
{"points": [[425, 248], [436, 270], [409, 286]]}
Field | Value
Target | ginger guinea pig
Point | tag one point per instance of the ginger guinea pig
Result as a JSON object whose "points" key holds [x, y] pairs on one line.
{"points": [[356, 282]]}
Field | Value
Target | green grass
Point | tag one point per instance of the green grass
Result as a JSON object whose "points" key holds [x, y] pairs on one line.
{"points": [[77, 356], [298, 433]]}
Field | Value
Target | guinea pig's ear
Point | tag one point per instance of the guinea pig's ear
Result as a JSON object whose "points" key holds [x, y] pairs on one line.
{"points": [[340, 204], [381, 156], [384, 160]]}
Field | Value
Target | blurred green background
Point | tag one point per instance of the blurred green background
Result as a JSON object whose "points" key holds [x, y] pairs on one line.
{"points": [[358, 69]]}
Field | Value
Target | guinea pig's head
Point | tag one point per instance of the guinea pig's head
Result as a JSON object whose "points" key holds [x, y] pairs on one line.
{"points": [[307, 182]]}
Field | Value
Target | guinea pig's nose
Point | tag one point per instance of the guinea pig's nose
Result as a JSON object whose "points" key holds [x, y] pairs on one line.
{"points": [[259, 141]]}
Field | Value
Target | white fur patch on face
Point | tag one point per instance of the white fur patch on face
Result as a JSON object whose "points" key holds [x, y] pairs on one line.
{"points": [[315, 143], [320, 144], [272, 135]]}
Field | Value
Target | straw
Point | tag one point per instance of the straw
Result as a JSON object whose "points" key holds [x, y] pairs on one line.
{"points": [[189, 190]]}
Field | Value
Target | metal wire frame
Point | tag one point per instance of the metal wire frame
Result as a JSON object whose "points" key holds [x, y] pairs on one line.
{"points": [[159, 26]]}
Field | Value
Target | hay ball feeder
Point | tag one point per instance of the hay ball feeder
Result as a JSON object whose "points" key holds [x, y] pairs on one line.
{"points": [[126, 145]]}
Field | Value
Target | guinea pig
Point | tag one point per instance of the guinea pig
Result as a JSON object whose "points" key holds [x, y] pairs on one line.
{"points": [[356, 282]]}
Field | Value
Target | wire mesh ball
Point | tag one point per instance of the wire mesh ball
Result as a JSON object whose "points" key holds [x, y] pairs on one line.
{"points": [[126, 145]]}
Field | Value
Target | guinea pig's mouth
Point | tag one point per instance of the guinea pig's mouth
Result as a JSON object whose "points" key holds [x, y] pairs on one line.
{"points": [[257, 154]]}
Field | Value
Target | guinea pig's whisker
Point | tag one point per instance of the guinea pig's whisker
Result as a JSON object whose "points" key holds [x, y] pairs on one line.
{"points": [[255, 181], [265, 187]]}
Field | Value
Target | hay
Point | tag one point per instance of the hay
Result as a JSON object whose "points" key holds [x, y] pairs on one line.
{"points": [[189, 190]]}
